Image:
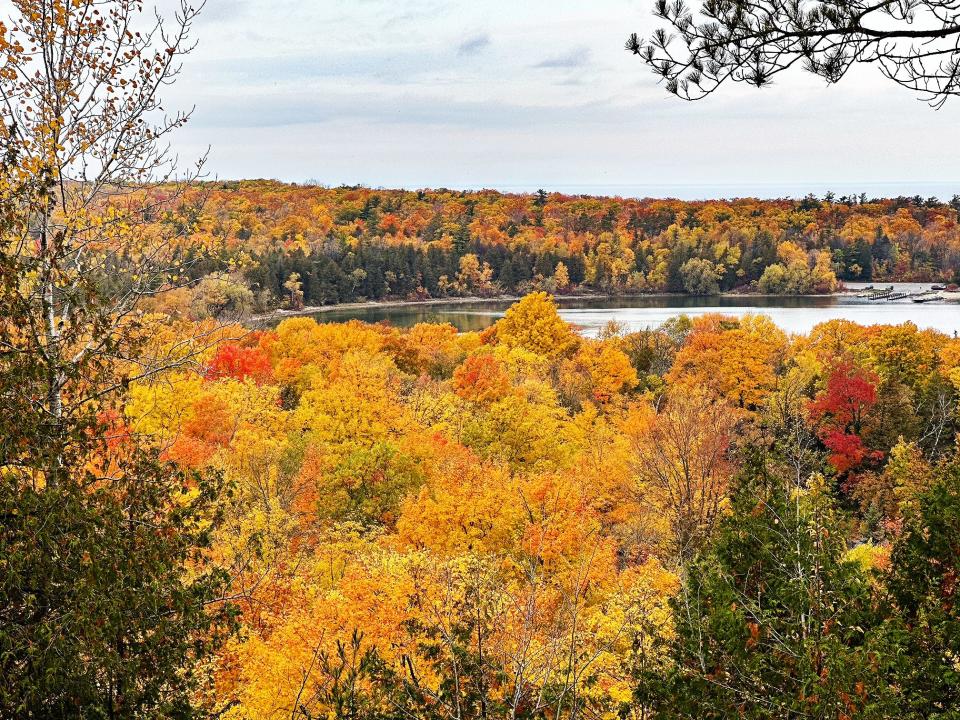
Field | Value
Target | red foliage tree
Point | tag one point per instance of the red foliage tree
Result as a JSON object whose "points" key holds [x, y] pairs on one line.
{"points": [[850, 393], [481, 378], [838, 414], [239, 362]]}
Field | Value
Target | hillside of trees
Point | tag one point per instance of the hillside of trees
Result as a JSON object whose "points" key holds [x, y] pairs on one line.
{"points": [[275, 244], [710, 519]]}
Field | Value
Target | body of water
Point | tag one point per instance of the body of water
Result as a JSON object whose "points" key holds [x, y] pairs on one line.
{"points": [[792, 314]]}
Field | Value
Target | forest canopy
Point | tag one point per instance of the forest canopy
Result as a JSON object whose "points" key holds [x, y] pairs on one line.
{"points": [[711, 518], [524, 522], [262, 243]]}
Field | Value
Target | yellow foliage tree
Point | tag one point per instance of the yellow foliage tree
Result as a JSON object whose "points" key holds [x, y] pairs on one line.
{"points": [[534, 324]]}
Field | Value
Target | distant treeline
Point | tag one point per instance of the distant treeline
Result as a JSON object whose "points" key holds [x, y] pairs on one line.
{"points": [[313, 245]]}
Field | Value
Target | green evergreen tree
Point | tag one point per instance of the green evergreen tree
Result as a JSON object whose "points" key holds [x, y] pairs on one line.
{"points": [[772, 621], [924, 595], [505, 278]]}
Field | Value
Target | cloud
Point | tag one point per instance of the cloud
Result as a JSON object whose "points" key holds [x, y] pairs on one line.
{"points": [[426, 92], [221, 11], [473, 45], [573, 58], [395, 67], [407, 109]]}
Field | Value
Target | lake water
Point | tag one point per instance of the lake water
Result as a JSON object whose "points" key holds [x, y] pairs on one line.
{"points": [[792, 314]]}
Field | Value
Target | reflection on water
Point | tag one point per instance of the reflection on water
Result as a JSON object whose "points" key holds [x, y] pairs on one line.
{"points": [[466, 317], [793, 314]]}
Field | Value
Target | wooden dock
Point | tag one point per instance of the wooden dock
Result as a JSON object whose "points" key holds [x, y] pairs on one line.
{"points": [[880, 294]]}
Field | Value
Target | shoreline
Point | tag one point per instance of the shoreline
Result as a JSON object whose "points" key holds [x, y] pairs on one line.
{"points": [[374, 304], [279, 314]]}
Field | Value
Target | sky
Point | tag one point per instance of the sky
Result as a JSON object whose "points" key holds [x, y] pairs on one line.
{"points": [[523, 94]]}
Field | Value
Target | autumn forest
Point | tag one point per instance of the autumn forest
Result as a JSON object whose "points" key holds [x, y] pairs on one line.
{"points": [[530, 515], [263, 244], [211, 509]]}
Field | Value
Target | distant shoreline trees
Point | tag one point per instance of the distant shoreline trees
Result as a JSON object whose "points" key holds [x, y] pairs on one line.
{"points": [[358, 244]]}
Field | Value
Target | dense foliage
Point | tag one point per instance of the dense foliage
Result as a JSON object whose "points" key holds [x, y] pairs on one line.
{"points": [[259, 243], [707, 519], [108, 606]]}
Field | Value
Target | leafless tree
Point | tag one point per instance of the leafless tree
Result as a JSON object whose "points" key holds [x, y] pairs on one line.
{"points": [[787, 423], [937, 409], [682, 468]]}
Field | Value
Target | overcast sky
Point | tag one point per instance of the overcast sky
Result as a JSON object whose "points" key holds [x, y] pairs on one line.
{"points": [[522, 94]]}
